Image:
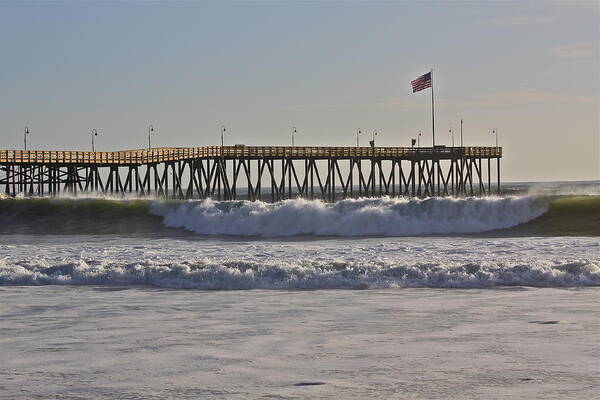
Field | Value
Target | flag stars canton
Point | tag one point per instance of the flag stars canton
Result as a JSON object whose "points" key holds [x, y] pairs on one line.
{"points": [[422, 82]]}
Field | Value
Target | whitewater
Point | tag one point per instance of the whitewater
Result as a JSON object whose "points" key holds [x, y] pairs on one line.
{"points": [[140, 298], [366, 243], [371, 263], [383, 216]]}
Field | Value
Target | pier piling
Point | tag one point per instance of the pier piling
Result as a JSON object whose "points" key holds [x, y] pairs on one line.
{"points": [[240, 172]]}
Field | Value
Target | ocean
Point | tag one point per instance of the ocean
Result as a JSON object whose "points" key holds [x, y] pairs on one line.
{"points": [[490, 297]]}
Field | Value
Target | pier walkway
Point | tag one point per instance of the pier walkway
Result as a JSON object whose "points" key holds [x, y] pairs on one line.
{"points": [[254, 172]]}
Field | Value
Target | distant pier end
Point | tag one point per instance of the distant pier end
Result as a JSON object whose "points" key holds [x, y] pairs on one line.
{"points": [[265, 173]]}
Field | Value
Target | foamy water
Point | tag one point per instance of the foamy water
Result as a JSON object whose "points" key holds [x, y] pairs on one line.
{"points": [[354, 217], [91, 305], [307, 264], [148, 343]]}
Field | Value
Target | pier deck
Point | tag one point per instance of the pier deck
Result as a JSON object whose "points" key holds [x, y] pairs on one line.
{"points": [[220, 171]]}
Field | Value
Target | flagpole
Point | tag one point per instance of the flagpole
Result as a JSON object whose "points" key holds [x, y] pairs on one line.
{"points": [[432, 110]]}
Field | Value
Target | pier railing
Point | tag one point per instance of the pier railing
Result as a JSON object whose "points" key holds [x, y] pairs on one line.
{"points": [[163, 154]]}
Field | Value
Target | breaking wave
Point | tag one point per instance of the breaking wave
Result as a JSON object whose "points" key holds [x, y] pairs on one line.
{"points": [[235, 274], [362, 217], [511, 215]]}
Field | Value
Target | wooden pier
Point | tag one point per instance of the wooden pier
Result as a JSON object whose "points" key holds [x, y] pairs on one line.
{"points": [[255, 172]]}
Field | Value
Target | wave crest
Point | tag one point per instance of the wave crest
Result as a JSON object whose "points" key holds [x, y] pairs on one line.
{"points": [[353, 217], [235, 274]]}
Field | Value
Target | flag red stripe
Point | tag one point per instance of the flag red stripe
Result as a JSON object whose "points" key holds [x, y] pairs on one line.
{"points": [[422, 82]]}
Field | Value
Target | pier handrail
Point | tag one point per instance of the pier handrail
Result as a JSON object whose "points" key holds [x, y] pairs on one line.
{"points": [[165, 154]]}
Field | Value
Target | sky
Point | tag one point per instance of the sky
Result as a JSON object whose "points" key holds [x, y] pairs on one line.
{"points": [[530, 70]]}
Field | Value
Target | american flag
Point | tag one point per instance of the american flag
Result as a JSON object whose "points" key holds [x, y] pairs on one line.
{"points": [[422, 82]]}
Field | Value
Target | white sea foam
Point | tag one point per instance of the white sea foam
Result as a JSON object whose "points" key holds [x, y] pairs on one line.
{"points": [[231, 274], [361, 217], [589, 188], [340, 263]]}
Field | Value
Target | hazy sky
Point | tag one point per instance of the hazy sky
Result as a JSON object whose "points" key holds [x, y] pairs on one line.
{"points": [[529, 69]]}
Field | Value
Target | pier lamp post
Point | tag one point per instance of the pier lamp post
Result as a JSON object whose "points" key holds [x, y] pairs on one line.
{"points": [[495, 133], [25, 133], [294, 131], [357, 136], [93, 133], [372, 143], [419, 140], [223, 130], [451, 131], [150, 132], [461, 136]]}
